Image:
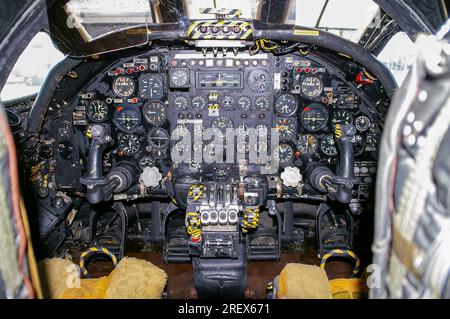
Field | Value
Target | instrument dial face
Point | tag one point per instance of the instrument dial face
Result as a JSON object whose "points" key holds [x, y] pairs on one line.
{"points": [[158, 138], [262, 103], [180, 103], [129, 144], [198, 103], [284, 153], [222, 123], [362, 123], [151, 86], [243, 147], [124, 86], [244, 103], [180, 78], [242, 130], [155, 113], [342, 117], [312, 86], [286, 128], [262, 130], [314, 118], [127, 119], [328, 146], [286, 105], [97, 111], [227, 102], [307, 144], [259, 81]]}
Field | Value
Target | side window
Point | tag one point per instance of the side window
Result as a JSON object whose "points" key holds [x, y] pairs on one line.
{"points": [[398, 55], [31, 68]]}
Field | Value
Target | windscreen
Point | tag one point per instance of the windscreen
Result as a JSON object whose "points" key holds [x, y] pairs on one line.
{"points": [[87, 27]]}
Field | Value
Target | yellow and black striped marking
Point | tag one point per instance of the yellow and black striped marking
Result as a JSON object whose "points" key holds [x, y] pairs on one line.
{"points": [[92, 251], [202, 30], [338, 131], [196, 192], [342, 253], [222, 11]]}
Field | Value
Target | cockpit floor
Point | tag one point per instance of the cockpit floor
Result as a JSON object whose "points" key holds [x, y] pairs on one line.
{"points": [[180, 277]]}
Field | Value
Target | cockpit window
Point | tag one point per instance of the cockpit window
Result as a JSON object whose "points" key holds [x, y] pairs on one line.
{"points": [[346, 18], [31, 68]]}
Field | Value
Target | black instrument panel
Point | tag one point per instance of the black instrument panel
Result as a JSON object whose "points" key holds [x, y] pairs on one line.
{"points": [[145, 98]]}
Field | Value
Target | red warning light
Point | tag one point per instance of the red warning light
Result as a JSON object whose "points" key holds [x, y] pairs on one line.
{"points": [[120, 108]]}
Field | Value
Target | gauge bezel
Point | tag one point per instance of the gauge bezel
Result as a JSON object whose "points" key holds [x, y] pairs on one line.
{"points": [[265, 98], [342, 123], [322, 140], [93, 119], [317, 107], [299, 144], [129, 135], [223, 130], [145, 108], [248, 105], [284, 162], [289, 119], [198, 97], [141, 85], [180, 97], [278, 107], [365, 128], [302, 86], [124, 108], [115, 90], [155, 146]]}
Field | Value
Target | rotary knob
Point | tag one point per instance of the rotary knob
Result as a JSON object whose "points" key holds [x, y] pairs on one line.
{"points": [[291, 176]]}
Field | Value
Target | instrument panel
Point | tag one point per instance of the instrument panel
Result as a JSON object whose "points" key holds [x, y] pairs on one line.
{"points": [[145, 98]]}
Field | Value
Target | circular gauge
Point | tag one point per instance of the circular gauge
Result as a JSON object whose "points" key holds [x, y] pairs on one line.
{"points": [[328, 146], [262, 103], [227, 103], [243, 148], [158, 138], [129, 144], [286, 128], [180, 77], [97, 111], [260, 147], [262, 130], [180, 103], [124, 86], [342, 117], [259, 81], [286, 105], [311, 86], [222, 123], [244, 103], [155, 113], [180, 131], [242, 130], [182, 147], [284, 153], [307, 144], [199, 146], [151, 86], [362, 123], [146, 161], [127, 119], [314, 118], [198, 103]]}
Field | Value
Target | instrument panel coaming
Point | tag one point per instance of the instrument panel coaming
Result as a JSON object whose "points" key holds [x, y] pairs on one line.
{"points": [[142, 99]]}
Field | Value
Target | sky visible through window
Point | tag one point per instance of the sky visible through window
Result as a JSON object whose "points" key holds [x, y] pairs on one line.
{"points": [[346, 18]]}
